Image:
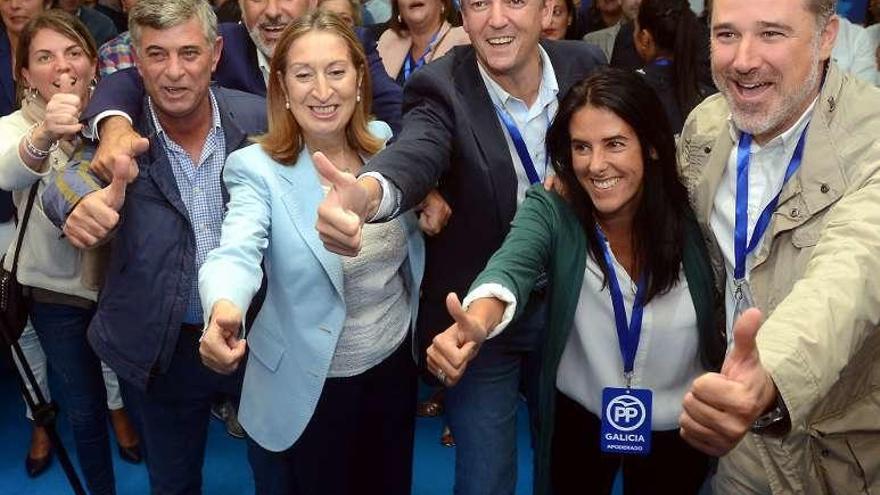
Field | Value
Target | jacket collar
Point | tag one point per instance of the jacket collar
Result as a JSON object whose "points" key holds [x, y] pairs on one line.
{"points": [[154, 164], [817, 183], [303, 192]]}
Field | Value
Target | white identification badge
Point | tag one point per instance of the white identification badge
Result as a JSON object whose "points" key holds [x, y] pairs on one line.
{"points": [[626, 421]]}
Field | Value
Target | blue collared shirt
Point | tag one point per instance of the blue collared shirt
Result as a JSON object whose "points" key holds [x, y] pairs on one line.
{"points": [[201, 193]]}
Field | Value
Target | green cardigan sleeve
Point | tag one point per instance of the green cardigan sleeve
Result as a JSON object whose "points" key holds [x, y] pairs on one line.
{"points": [[527, 249]]}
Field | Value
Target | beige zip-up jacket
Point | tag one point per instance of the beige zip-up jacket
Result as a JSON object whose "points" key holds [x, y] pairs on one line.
{"points": [[817, 279]]}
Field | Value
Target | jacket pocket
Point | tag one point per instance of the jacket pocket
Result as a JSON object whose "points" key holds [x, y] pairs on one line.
{"points": [[848, 462], [266, 347]]}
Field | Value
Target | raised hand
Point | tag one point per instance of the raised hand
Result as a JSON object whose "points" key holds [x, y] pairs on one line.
{"points": [[97, 214], [434, 214], [342, 214], [220, 346], [721, 407], [452, 350], [118, 139], [62, 111]]}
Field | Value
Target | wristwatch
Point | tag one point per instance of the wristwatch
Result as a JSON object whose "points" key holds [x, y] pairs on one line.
{"points": [[774, 423]]}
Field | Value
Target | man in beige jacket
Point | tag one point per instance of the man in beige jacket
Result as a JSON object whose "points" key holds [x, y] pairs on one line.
{"points": [[796, 407]]}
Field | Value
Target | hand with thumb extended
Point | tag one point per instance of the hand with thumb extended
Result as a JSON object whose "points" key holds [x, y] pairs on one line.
{"points": [[97, 214], [452, 350], [61, 119], [220, 347], [721, 407], [118, 138], [342, 213]]}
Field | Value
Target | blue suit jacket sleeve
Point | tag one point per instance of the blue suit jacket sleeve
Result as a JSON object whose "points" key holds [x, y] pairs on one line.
{"points": [[387, 95], [122, 91]]}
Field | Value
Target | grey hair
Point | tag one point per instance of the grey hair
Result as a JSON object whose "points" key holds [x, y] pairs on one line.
{"points": [[164, 14], [822, 9]]}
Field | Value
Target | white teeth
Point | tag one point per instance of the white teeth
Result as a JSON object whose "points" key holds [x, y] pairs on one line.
{"points": [[326, 109], [606, 183], [501, 40]]}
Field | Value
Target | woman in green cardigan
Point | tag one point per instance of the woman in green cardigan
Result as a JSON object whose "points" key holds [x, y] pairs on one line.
{"points": [[632, 299]]}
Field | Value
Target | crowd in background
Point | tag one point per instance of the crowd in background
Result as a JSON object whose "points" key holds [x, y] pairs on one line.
{"points": [[266, 210]]}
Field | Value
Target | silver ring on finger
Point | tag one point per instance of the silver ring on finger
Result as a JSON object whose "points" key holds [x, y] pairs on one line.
{"points": [[441, 375]]}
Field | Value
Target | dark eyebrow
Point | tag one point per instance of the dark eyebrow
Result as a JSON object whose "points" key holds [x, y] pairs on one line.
{"points": [[722, 26], [617, 137], [775, 25]]}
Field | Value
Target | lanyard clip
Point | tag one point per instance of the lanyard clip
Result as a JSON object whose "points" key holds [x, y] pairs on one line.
{"points": [[628, 378]]}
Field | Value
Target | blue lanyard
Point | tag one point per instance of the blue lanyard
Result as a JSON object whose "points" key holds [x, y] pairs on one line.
{"points": [[743, 155], [408, 62], [662, 62], [627, 335], [520, 144]]}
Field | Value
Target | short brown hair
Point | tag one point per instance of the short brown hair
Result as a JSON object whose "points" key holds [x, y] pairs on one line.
{"points": [[62, 23], [284, 141]]}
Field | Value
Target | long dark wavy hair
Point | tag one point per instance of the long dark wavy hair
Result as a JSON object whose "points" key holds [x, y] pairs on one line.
{"points": [[658, 227]]}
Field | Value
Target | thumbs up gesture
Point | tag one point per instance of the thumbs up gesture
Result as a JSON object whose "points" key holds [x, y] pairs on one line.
{"points": [[62, 111], [721, 407], [220, 346], [98, 213], [342, 214], [452, 350]]}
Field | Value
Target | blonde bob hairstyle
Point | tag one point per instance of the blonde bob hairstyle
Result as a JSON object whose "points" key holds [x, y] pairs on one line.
{"points": [[284, 141]]}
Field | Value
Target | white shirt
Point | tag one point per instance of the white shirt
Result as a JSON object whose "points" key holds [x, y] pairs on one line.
{"points": [[263, 63], [766, 176], [854, 51], [532, 123], [667, 359]]}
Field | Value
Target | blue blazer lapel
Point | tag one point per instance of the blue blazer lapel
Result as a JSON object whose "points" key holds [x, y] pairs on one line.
{"points": [[302, 196], [489, 137]]}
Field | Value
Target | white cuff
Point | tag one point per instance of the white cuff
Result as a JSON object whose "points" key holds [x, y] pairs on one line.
{"points": [[388, 204], [91, 131], [499, 292]]}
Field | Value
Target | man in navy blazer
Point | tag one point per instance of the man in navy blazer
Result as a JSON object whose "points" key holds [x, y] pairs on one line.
{"points": [[161, 226], [455, 138], [247, 47]]}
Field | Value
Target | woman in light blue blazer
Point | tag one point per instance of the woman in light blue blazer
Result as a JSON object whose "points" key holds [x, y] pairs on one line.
{"points": [[329, 392]]}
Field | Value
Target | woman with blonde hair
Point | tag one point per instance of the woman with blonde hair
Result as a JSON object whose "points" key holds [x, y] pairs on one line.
{"points": [[330, 368]]}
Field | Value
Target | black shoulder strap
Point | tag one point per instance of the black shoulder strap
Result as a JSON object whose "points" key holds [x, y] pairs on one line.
{"points": [[23, 225]]}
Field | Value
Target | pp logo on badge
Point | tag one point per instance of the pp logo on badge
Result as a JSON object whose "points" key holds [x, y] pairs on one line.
{"points": [[626, 421], [626, 413]]}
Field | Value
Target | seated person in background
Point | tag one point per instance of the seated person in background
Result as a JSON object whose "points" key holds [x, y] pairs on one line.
{"points": [[667, 36], [855, 51], [116, 54], [331, 367], [348, 10], [419, 31], [161, 227], [244, 65], [632, 298], [101, 26], [563, 23], [616, 41], [602, 14]]}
